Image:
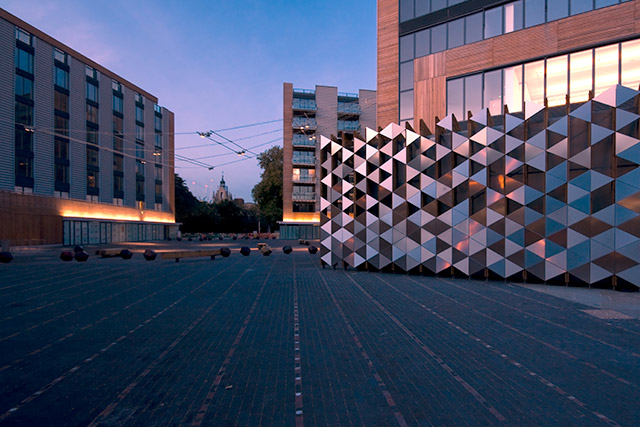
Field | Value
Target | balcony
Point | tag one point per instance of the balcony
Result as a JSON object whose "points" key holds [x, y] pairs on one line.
{"points": [[302, 140], [304, 179], [304, 123], [303, 197], [348, 108], [348, 125], [304, 160], [304, 104]]}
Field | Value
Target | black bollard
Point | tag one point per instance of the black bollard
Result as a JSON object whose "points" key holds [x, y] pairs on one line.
{"points": [[287, 250]]}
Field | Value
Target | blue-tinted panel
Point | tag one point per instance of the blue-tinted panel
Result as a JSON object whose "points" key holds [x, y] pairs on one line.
{"points": [[439, 38], [557, 9], [438, 4], [605, 3], [493, 22], [456, 33], [580, 6], [406, 75], [422, 7], [423, 43], [406, 48], [406, 10], [533, 12], [473, 28]]}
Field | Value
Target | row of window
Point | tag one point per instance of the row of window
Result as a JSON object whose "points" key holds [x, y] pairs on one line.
{"points": [[304, 175], [410, 9], [575, 74], [304, 157]]}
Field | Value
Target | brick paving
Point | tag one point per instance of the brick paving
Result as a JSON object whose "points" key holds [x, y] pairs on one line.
{"points": [[280, 341]]}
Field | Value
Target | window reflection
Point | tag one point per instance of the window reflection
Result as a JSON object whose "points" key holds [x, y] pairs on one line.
{"points": [[557, 9], [606, 68], [472, 94], [406, 48], [493, 92], [580, 75], [423, 43], [455, 98], [473, 28], [513, 16], [406, 76], [534, 82], [557, 81], [513, 88], [631, 64], [493, 22], [406, 105]]}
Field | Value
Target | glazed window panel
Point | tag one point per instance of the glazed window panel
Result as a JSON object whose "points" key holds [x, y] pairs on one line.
{"points": [[557, 9], [493, 92], [438, 4], [406, 10], [605, 3], [472, 94], [455, 98], [406, 76], [422, 7], [557, 70], [513, 86], [533, 12], [455, 31], [493, 22], [423, 43], [534, 82], [631, 64], [406, 48], [473, 28], [581, 80], [439, 38], [581, 6], [606, 64], [513, 16], [406, 105]]}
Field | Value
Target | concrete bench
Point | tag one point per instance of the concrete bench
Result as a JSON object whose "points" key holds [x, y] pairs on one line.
{"points": [[169, 254], [110, 252]]}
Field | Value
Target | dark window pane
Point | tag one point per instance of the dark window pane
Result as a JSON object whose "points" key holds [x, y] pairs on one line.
{"points": [[23, 140], [24, 87], [455, 98], [439, 38], [24, 114], [513, 16], [117, 104], [473, 27], [92, 92], [456, 33], [24, 60], [62, 173], [24, 167], [61, 78], [117, 124], [533, 12], [406, 10], [61, 149], [61, 125], [92, 179], [61, 101], [422, 7], [92, 156], [423, 43], [406, 76], [118, 163], [557, 9], [580, 6], [473, 93], [406, 48], [493, 22]]}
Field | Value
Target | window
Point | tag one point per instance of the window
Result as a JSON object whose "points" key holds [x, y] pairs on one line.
{"points": [[406, 76], [23, 36], [631, 64], [455, 31], [473, 28], [139, 114], [557, 9], [493, 92], [61, 78], [24, 167], [158, 140], [92, 73], [92, 92], [422, 7], [512, 78], [406, 10], [118, 143], [61, 125], [92, 137], [158, 173], [59, 55], [406, 48], [513, 16], [406, 105], [139, 132], [472, 94], [61, 173], [438, 4], [24, 87], [118, 163], [606, 68], [117, 104], [439, 38], [93, 156], [117, 124], [92, 179], [455, 98], [24, 113], [493, 22], [580, 6], [23, 141], [139, 150], [139, 98], [118, 186], [533, 12], [60, 101], [92, 114], [116, 86], [534, 82], [157, 122], [140, 191], [139, 168], [158, 192], [61, 149], [24, 60], [604, 3], [580, 75], [557, 70], [423, 43]]}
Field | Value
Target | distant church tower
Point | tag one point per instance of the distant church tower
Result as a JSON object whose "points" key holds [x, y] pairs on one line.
{"points": [[222, 193]]}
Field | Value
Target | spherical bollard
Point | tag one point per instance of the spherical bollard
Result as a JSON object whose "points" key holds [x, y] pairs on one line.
{"points": [[219, 237], [245, 250], [287, 250], [312, 250], [190, 239], [66, 256], [78, 248], [126, 254], [235, 237], [150, 255], [225, 252], [81, 256], [6, 257]]}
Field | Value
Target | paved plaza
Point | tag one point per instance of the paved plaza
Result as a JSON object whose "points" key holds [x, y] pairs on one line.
{"points": [[278, 340]]}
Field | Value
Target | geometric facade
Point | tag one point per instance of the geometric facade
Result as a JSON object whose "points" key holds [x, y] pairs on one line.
{"points": [[551, 193]]}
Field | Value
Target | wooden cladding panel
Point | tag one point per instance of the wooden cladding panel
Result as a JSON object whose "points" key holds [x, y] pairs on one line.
{"points": [[388, 63], [428, 67], [430, 100]]}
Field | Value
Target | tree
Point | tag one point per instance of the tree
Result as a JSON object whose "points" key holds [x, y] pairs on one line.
{"points": [[268, 192], [186, 203]]}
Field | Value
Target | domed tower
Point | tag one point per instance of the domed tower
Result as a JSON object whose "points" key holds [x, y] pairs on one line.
{"points": [[222, 193]]}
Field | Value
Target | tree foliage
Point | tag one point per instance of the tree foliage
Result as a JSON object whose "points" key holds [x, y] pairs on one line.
{"points": [[268, 192]]}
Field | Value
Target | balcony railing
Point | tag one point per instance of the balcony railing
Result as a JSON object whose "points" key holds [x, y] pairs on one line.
{"points": [[304, 160], [307, 91], [303, 197], [348, 107], [304, 104], [304, 123], [302, 140], [304, 179], [348, 125]]}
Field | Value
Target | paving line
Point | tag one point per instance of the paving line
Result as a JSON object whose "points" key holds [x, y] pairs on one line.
{"points": [[97, 354], [470, 389], [299, 417], [374, 372], [202, 411], [46, 278], [502, 355]]}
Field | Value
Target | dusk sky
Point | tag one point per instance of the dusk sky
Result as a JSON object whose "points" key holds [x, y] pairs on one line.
{"points": [[219, 64]]}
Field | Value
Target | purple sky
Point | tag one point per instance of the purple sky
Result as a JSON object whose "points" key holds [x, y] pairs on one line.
{"points": [[219, 64]]}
